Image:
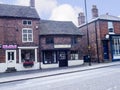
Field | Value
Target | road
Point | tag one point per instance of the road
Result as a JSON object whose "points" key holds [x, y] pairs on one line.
{"points": [[98, 79]]}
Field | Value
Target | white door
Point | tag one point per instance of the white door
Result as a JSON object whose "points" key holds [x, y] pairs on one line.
{"points": [[11, 58]]}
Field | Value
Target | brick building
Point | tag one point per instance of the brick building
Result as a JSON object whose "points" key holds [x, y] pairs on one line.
{"points": [[104, 37], [19, 37], [59, 44]]}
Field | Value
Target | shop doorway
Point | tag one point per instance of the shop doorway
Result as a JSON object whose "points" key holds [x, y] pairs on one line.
{"points": [[63, 60], [11, 58]]}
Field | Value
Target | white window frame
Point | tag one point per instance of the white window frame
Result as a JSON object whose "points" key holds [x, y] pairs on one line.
{"points": [[27, 48], [27, 22], [27, 35], [74, 56], [116, 46], [110, 26]]}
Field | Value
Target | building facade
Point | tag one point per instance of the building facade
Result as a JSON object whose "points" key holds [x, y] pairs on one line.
{"points": [[103, 36], [60, 44], [19, 36]]}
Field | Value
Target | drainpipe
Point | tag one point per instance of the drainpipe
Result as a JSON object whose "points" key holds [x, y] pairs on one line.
{"points": [[97, 41], [40, 52]]}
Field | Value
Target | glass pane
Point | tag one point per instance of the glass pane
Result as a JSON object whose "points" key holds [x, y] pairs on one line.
{"points": [[29, 31], [12, 55], [29, 22], [24, 31], [8, 55], [28, 55], [24, 22]]}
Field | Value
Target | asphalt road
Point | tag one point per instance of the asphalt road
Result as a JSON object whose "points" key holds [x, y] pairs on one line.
{"points": [[99, 79]]}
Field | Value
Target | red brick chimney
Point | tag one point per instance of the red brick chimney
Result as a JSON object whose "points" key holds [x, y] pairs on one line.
{"points": [[94, 11], [81, 18], [32, 3]]}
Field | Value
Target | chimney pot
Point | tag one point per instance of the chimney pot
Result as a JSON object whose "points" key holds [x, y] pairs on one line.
{"points": [[94, 11], [81, 18], [32, 3]]}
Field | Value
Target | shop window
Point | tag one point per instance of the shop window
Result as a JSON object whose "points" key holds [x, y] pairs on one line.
{"points": [[49, 57], [116, 45], [110, 28], [74, 55], [27, 35], [27, 55], [49, 40]]}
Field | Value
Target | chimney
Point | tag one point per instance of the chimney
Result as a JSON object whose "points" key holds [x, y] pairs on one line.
{"points": [[81, 18], [94, 11], [32, 3]]}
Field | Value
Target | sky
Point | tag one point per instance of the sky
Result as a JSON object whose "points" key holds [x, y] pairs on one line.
{"points": [[67, 10]]}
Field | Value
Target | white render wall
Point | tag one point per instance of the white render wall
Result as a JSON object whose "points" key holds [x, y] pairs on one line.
{"points": [[20, 67], [45, 66], [3, 67], [37, 65], [75, 62]]}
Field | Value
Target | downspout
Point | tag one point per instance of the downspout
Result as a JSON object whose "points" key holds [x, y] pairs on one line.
{"points": [[97, 42], [40, 52]]}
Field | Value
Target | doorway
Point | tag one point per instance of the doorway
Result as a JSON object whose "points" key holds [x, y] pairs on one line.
{"points": [[105, 50], [63, 60], [11, 58]]}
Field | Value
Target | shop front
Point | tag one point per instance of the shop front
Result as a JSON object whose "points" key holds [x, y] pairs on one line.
{"points": [[27, 58], [115, 47], [60, 58]]}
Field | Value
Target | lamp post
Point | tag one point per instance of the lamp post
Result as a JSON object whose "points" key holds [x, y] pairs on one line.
{"points": [[88, 42]]}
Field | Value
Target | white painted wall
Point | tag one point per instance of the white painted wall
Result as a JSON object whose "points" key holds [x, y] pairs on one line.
{"points": [[20, 67], [44, 66], [75, 62], [3, 67]]}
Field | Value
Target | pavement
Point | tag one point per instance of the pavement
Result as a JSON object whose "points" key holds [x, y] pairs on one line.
{"points": [[33, 74]]}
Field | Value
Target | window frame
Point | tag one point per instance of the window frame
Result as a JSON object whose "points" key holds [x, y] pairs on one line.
{"points": [[27, 22], [27, 35], [49, 40], [110, 27], [73, 55], [74, 40]]}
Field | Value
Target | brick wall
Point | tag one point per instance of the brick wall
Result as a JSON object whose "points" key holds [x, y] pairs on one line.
{"points": [[11, 33]]}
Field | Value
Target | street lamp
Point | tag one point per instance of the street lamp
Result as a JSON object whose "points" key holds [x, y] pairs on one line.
{"points": [[88, 42]]}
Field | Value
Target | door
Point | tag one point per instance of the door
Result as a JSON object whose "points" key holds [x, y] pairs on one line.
{"points": [[11, 58], [105, 50], [63, 61]]}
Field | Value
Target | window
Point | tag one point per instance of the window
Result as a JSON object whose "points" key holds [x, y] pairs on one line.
{"points": [[74, 55], [49, 57], [28, 55], [110, 27], [116, 45], [74, 40], [27, 22], [49, 40], [27, 35]]}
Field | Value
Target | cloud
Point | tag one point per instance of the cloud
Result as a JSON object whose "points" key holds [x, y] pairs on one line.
{"points": [[44, 7], [65, 12]]}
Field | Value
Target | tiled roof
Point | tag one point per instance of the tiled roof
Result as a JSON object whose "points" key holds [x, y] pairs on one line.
{"points": [[48, 27], [103, 17], [109, 17], [18, 11]]}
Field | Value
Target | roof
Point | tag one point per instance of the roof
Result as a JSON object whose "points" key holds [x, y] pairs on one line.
{"points": [[109, 17], [18, 11], [48, 27], [103, 17]]}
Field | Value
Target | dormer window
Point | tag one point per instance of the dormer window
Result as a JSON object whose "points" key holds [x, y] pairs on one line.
{"points": [[110, 28], [27, 22]]}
